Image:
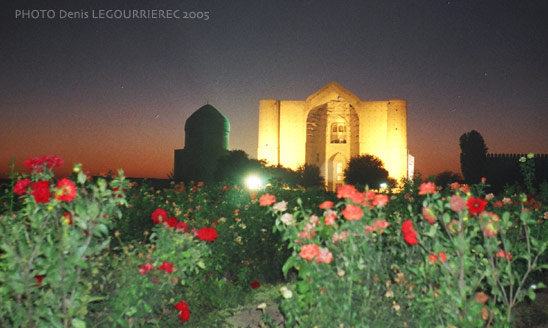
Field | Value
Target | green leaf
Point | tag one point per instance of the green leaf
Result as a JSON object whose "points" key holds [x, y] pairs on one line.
{"points": [[531, 294], [77, 323]]}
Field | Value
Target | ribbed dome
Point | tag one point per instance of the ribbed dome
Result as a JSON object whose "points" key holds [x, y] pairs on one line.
{"points": [[207, 130], [207, 119]]}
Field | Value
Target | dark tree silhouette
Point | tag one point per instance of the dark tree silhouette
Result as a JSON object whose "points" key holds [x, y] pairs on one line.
{"points": [[447, 177], [235, 166], [473, 156], [365, 170], [310, 176]]}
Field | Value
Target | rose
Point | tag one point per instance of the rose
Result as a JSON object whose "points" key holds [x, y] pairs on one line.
{"points": [[207, 234], [267, 200], [159, 215], [309, 251], [166, 266], [65, 191], [352, 212], [427, 188], [21, 186], [409, 233], [40, 191], [184, 312]]}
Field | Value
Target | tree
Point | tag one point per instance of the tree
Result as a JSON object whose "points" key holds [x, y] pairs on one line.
{"points": [[310, 176], [366, 170], [447, 177], [473, 157], [233, 167]]}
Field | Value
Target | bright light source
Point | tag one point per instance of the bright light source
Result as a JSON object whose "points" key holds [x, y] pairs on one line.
{"points": [[253, 182], [383, 185]]}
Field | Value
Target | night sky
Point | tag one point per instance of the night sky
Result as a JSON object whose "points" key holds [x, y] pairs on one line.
{"points": [[115, 93]]}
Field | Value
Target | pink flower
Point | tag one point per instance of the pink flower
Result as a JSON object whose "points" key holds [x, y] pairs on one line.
{"points": [[346, 191], [309, 251], [381, 225], [267, 200], [166, 266], [352, 212], [339, 236], [380, 200], [65, 191], [329, 217], [324, 256], [457, 203], [145, 268], [40, 191], [427, 188], [326, 205], [21, 186], [428, 215]]}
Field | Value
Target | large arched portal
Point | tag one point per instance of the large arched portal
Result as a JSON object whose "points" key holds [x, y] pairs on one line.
{"points": [[332, 129]]}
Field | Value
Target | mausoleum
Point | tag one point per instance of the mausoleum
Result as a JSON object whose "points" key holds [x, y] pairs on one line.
{"points": [[330, 127]]}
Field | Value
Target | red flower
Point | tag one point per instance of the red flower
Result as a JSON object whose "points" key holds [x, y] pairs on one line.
{"points": [[207, 234], [40, 191], [502, 254], [267, 200], [21, 186], [166, 266], [352, 212], [159, 215], [427, 188], [409, 233], [326, 205], [37, 164], [39, 280], [172, 222], [145, 268], [476, 205], [346, 191], [432, 258], [182, 225], [184, 312], [442, 257], [255, 284], [66, 190]]}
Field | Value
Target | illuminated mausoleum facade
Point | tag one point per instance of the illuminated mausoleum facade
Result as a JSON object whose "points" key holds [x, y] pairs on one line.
{"points": [[330, 127]]}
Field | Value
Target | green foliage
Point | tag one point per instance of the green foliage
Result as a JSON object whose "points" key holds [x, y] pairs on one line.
{"points": [[467, 269], [46, 258]]}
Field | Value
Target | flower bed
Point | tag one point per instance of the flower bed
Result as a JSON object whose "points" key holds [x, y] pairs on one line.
{"points": [[84, 253]]}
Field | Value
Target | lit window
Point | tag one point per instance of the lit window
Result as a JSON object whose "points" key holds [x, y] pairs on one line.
{"points": [[338, 132]]}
